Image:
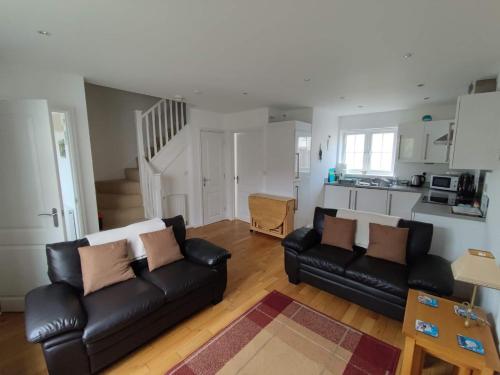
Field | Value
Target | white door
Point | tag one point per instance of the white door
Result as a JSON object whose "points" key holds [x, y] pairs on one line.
{"points": [[29, 187], [436, 147], [400, 203], [411, 139], [249, 167], [212, 164], [371, 200], [338, 197]]}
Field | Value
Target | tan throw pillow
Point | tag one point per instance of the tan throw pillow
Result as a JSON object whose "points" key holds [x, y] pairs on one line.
{"points": [[161, 247], [388, 243], [104, 265], [339, 232]]}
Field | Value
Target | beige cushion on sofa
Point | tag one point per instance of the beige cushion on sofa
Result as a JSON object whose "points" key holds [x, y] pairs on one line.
{"points": [[338, 232], [388, 243], [104, 265], [161, 247]]}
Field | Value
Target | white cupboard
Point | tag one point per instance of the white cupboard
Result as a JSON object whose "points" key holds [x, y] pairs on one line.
{"points": [[288, 165], [400, 203], [476, 143], [425, 142], [371, 200], [387, 202]]}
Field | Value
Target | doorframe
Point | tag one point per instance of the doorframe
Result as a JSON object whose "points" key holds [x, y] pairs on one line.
{"points": [[224, 149], [75, 165]]}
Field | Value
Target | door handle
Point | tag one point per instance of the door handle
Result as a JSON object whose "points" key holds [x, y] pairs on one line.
{"points": [[356, 200], [426, 145], [399, 149], [349, 205], [205, 181], [296, 197], [390, 205], [53, 213]]}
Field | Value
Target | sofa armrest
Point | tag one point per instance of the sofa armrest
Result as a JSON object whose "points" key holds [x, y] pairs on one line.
{"points": [[432, 273], [200, 251], [301, 239], [52, 310]]}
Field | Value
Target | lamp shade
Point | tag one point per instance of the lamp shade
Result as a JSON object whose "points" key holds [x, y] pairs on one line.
{"points": [[477, 267]]}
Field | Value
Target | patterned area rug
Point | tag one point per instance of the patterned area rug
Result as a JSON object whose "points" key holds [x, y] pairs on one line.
{"points": [[282, 336]]}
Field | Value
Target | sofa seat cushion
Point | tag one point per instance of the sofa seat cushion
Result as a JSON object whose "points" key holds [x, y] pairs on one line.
{"points": [[327, 258], [179, 278], [381, 274], [118, 306]]}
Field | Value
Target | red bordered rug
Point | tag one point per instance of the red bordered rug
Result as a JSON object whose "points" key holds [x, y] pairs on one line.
{"points": [[282, 336]]}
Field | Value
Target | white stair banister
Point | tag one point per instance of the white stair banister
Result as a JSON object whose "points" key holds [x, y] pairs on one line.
{"points": [[148, 146]]}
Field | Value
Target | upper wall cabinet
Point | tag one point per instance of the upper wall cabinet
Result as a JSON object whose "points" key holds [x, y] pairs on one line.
{"points": [[476, 143], [425, 142]]}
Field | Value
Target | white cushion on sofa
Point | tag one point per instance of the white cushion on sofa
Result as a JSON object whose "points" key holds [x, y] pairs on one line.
{"points": [[364, 219], [130, 233]]}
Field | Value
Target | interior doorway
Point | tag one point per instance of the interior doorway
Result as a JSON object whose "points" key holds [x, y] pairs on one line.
{"points": [[66, 168]]}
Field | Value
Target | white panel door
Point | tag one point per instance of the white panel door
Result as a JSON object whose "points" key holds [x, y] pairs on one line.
{"points": [[371, 200], [212, 163], [400, 203], [338, 197], [249, 149], [29, 187]]}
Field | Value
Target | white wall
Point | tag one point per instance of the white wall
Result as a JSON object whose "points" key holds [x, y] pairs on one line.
{"points": [[394, 118], [490, 298], [112, 129], [62, 91]]}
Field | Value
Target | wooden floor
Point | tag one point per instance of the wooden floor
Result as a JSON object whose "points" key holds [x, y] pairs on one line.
{"points": [[255, 269]]}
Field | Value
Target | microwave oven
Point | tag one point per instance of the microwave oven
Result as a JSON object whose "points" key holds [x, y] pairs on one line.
{"points": [[444, 182]]}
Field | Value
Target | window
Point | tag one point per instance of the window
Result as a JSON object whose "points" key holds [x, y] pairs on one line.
{"points": [[369, 152], [304, 153]]}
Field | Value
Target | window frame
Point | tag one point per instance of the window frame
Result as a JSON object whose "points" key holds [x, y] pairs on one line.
{"points": [[368, 133]]}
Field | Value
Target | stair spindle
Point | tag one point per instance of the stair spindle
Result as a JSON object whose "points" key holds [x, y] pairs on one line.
{"points": [[165, 122], [171, 120], [160, 122], [147, 138]]}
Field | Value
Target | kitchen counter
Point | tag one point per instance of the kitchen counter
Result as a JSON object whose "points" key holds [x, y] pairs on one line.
{"points": [[441, 210], [410, 189]]}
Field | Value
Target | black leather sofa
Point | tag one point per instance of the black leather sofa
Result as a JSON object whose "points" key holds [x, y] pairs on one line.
{"points": [[374, 283], [82, 335]]}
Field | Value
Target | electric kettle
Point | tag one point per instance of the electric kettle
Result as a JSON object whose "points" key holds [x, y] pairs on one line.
{"points": [[417, 180]]}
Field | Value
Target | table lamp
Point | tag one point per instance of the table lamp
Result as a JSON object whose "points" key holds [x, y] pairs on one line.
{"points": [[479, 268]]}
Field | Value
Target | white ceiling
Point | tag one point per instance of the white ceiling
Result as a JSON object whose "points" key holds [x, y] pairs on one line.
{"points": [[350, 48]]}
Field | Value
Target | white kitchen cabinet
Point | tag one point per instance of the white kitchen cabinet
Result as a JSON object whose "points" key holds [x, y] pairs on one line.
{"points": [[425, 141], [337, 197], [371, 200], [437, 141], [476, 143], [411, 142], [400, 203]]}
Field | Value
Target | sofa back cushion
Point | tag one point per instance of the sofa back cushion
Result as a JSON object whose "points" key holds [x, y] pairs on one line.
{"points": [[63, 262], [104, 265], [339, 232], [161, 248], [387, 242], [419, 239]]}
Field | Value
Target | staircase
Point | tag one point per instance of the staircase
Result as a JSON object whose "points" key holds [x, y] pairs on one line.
{"points": [[119, 202]]}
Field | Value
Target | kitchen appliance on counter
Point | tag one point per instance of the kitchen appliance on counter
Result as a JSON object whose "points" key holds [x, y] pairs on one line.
{"points": [[440, 197], [466, 186], [417, 180], [444, 182]]}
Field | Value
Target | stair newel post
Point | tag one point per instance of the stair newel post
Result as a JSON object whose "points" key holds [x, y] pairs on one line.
{"points": [[140, 152]]}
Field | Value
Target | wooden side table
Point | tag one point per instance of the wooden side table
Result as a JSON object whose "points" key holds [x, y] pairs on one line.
{"points": [[445, 346]]}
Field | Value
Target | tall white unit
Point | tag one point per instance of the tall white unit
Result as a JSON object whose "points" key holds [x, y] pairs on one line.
{"points": [[288, 158]]}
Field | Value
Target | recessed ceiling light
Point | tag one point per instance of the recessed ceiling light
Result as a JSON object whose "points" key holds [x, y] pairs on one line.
{"points": [[361, 106], [408, 55], [307, 79], [197, 92], [427, 98], [342, 97], [420, 85], [44, 32], [244, 93]]}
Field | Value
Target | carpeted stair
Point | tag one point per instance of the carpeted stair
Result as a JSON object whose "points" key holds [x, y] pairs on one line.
{"points": [[119, 202]]}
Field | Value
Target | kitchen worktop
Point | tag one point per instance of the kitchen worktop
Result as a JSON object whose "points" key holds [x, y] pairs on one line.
{"points": [[441, 210], [411, 189]]}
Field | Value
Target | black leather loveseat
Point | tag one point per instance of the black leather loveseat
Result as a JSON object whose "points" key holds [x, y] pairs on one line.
{"points": [[375, 283], [82, 335]]}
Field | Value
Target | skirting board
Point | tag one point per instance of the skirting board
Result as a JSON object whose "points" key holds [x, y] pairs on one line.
{"points": [[11, 304]]}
